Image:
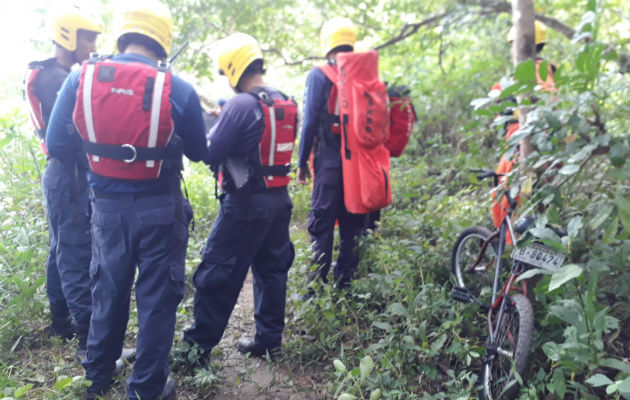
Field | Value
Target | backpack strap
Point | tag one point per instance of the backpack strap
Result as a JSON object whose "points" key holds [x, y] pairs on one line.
{"points": [[261, 94], [330, 72]]}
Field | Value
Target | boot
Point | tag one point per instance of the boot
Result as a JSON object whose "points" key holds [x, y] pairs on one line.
{"points": [[60, 327]]}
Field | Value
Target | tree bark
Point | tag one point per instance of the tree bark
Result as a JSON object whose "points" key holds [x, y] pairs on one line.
{"points": [[523, 49]]}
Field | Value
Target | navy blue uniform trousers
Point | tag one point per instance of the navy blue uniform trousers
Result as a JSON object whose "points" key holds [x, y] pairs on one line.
{"points": [[68, 283], [327, 206], [150, 233], [252, 229]]}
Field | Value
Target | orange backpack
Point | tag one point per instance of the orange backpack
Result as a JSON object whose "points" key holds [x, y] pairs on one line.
{"points": [[364, 118]]}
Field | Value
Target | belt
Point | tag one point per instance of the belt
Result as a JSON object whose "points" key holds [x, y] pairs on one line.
{"points": [[102, 194]]}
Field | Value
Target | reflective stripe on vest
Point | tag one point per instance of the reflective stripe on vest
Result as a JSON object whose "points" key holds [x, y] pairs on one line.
{"points": [[277, 141], [87, 106], [124, 118]]}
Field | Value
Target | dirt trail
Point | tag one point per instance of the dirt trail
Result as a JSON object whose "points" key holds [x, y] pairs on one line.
{"points": [[242, 378], [236, 377]]}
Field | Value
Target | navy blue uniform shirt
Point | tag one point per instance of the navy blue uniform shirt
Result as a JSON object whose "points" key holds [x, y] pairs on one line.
{"points": [[187, 120], [316, 95], [239, 129]]}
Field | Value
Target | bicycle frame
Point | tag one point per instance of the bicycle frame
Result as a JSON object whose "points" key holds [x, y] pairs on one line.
{"points": [[499, 296]]}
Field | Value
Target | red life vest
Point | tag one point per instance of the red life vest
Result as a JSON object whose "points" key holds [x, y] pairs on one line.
{"points": [[365, 128], [123, 115], [278, 138], [401, 117], [34, 104]]}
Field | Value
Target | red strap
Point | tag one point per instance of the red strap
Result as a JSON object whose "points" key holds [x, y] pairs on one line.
{"points": [[330, 72]]}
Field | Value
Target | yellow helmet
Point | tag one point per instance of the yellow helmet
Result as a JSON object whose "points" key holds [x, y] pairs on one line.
{"points": [[66, 25], [235, 53], [150, 18], [541, 33], [336, 32]]}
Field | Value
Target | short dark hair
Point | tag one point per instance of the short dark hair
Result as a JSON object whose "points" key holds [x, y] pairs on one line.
{"points": [[142, 40], [344, 48], [255, 67]]}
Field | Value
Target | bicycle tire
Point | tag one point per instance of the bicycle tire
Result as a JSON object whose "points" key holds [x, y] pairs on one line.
{"points": [[465, 252], [498, 373]]}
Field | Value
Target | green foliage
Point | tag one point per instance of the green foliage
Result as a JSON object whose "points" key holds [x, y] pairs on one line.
{"points": [[396, 334], [23, 236]]}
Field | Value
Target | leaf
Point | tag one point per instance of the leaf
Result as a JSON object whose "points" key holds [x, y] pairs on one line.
{"points": [[347, 396], [559, 383], [601, 216], [21, 391], [386, 326], [615, 364], [439, 343], [543, 70], [525, 72], [532, 272], [574, 226], [61, 384], [598, 380], [510, 90], [569, 169], [544, 233], [339, 366], [564, 274], [397, 309], [366, 366], [479, 103], [624, 386], [375, 394]]}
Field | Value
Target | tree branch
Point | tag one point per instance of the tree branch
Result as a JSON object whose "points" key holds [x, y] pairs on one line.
{"points": [[410, 29]]}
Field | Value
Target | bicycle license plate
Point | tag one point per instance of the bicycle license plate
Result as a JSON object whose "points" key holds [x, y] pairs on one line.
{"points": [[539, 256]]}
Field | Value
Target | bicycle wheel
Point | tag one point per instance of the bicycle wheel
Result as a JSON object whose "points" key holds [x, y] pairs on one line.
{"points": [[465, 252], [510, 352]]}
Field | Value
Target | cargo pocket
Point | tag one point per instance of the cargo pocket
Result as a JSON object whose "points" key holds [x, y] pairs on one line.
{"points": [[158, 216], [178, 281], [291, 256], [159, 229], [214, 273], [107, 233]]}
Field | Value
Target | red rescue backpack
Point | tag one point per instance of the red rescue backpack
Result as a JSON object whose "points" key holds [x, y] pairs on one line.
{"points": [[364, 130], [402, 117], [123, 115], [277, 142], [33, 102]]}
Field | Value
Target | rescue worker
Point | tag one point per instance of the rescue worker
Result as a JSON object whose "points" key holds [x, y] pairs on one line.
{"points": [[134, 120], [64, 184], [506, 165], [251, 147], [321, 135]]}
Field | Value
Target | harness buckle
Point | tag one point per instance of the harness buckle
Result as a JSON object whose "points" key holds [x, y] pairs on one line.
{"points": [[133, 151]]}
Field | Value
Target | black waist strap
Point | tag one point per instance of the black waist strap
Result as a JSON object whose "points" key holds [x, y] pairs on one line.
{"points": [[332, 118], [130, 153], [102, 194], [274, 170]]}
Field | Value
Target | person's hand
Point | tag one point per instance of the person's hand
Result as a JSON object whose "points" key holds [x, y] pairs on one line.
{"points": [[303, 175]]}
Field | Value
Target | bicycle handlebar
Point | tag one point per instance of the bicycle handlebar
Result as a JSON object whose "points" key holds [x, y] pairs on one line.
{"points": [[487, 173]]}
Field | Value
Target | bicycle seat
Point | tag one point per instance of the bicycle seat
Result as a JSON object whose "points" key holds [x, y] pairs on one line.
{"points": [[523, 224]]}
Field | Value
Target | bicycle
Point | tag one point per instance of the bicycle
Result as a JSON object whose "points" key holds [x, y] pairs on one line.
{"points": [[509, 311]]}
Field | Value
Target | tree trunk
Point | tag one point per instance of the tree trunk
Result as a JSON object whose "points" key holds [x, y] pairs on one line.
{"points": [[523, 49]]}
